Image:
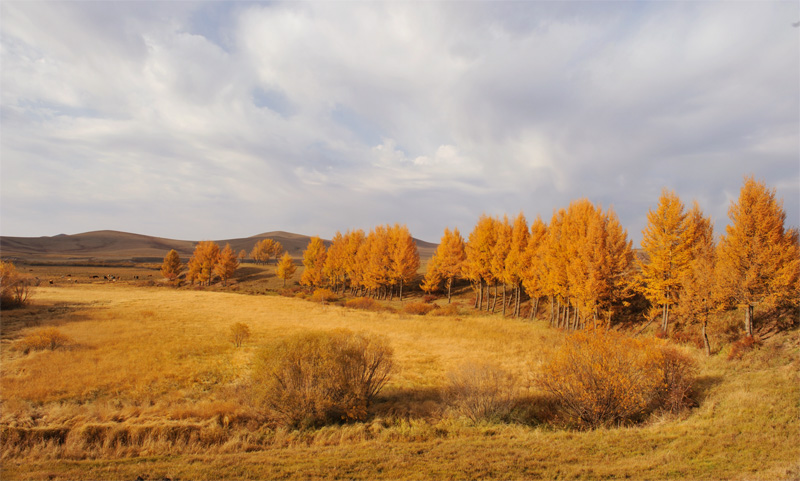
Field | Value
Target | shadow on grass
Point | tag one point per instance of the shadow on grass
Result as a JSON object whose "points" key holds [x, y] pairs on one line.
{"points": [[39, 314], [703, 385]]}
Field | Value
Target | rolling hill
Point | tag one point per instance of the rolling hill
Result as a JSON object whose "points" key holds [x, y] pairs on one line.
{"points": [[115, 245]]}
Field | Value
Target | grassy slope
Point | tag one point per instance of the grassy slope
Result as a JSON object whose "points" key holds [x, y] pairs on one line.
{"points": [[155, 357]]}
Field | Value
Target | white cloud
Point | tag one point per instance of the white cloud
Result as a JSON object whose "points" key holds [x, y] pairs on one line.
{"points": [[262, 114]]}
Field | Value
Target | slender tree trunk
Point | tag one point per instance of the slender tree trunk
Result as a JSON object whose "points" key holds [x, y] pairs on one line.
{"points": [[504, 300], [705, 335], [449, 285], [748, 320], [594, 318], [552, 310], [480, 294]]}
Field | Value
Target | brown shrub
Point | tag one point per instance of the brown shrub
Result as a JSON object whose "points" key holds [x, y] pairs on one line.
{"points": [[318, 378], [364, 303], [743, 345], [323, 295], [601, 377], [481, 392], [240, 332], [448, 310], [418, 308], [15, 289], [47, 338]]}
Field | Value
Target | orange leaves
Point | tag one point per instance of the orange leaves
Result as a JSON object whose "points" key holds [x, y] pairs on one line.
{"points": [[447, 262], [171, 266], [286, 268], [227, 263], [601, 377], [201, 264], [314, 260], [266, 249], [759, 259]]}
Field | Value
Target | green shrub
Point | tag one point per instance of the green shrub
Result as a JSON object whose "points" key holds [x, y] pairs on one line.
{"points": [[418, 308], [481, 392], [317, 378], [47, 338], [600, 377]]}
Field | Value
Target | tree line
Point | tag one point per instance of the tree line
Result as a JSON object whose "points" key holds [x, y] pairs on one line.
{"points": [[583, 262]]}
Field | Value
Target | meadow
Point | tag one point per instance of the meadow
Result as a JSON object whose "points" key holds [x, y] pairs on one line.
{"points": [[150, 385]]}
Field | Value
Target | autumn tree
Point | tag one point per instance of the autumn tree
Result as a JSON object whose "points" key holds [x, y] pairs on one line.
{"points": [[286, 268], [227, 263], [403, 257], [499, 252], [171, 267], [201, 264], [277, 250], [314, 260], [515, 261], [242, 256], [477, 266], [375, 260], [335, 262], [263, 251], [447, 262], [758, 257], [667, 255], [352, 262], [533, 274], [698, 287], [15, 288]]}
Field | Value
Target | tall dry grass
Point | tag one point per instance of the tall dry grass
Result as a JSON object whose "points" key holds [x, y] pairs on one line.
{"points": [[151, 374]]}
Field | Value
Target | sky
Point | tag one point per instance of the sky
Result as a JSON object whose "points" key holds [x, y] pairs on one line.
{"points": [[218, 120]]}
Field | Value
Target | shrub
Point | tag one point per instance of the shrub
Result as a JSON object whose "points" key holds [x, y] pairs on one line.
{"points": [[418, 308], [240, 332], [47, 338], [15, 289], [323, 295], [364, 303], [738, 348], [481, 392], [448, 310], [428, 298], [603, 377], [318, 378]]}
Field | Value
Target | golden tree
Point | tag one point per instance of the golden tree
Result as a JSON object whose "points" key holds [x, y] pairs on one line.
{"points": [[499, 252], [403, 256], [227, 263], [667, 254], [616, 268], [242, 255], [534, 273], [698, 287], [171, 267], [334, 268], [352, 266], [516, 259], [376, 261], [477, 266], [314, 260], [286, 268], [446, 263], [555, 259], [758, 258], [201, 264], [276, 251], [15, 288]]}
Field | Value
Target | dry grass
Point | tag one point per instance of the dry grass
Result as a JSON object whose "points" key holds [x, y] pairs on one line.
{"points": [[152, 387]]}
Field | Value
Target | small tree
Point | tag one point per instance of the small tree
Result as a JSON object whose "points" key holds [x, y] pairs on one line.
{"points": [[171, 267], [201, 265], [242, 256], [227, 263], [15, 289], [314, 260], [286, 268], [240, 332]]}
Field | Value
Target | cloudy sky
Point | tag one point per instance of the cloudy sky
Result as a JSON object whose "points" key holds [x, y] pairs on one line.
{"points": [[226, 119]]}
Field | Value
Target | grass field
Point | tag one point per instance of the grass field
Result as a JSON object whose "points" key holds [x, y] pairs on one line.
{"points": [[151, 386]]}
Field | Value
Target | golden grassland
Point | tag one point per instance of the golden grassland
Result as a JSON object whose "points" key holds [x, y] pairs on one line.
{"points": [[152, 386]]}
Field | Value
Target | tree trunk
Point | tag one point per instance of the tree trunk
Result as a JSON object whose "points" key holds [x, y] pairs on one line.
{"points": [[748, 320], [449, 285], [480, 295], [552, 310], [401, 290], [504, 300], [705, 336]]}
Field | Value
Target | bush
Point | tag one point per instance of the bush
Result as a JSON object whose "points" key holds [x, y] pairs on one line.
{"points": [[481, 392], [448, 310], [743, 345], [323, 295], [48, 338], [317, 378], [418, 308], [364, 303], [604, 377], [15, 289], [240, 332]]}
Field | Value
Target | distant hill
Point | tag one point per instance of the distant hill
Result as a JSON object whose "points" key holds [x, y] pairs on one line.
{"points": [[115, 245]]}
